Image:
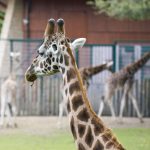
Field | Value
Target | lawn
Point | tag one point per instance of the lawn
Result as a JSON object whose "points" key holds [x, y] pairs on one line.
{"points": [[132, 139]]}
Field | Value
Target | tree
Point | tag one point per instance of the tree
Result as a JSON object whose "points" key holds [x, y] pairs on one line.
{"points": [[123, 9], [1, 19]]}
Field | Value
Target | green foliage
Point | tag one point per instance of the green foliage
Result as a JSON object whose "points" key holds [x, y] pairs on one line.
{"points": [[1, 19], [123, 9]]}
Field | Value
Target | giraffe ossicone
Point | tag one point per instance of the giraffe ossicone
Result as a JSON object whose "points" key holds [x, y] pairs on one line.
{"points": [[88, 130]]}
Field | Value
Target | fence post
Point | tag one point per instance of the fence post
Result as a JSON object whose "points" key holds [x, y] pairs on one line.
{"points": [[114, 57], [77, 56], [91, 55], [41, 96], [11, 50]]}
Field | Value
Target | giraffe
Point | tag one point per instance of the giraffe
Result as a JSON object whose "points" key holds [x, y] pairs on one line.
{"points": [[86, 74], [55, 55], [8, 96], [8, 101], [123, 79]]}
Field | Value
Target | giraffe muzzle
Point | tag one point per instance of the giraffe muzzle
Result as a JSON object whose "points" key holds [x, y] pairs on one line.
{"points": [[30, 77]]}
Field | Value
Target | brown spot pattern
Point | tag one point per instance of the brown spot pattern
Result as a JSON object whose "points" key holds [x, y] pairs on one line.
{"points": [[83, 115], [70, 74], [49, 68], [46, 65], [66, 58], [68, 106], [45, 69], [81, 130], [55, 67], [41, 65], [81, 147], [74, 87], [35, 60], [63, 70], [61, 59], [89, 137], [98, 128], [76, 102], [53, 59], [73, 128], [98, 146], [107, 136], [109, 144], [114, 140], [120, 147], [48, 60]]}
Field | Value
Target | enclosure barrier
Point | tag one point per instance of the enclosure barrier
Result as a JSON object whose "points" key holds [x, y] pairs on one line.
{"points": [[44, 96]]}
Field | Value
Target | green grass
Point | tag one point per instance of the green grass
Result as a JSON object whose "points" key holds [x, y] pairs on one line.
{"points": [[132, 139], [37, 142]]}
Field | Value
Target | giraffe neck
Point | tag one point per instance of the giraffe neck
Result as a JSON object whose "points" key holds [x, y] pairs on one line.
{"points": [[88, 130], [90, 71], [134, 67], [87, 73]]}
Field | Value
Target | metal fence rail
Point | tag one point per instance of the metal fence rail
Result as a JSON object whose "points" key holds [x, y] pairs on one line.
{"points": [[44, 96]]}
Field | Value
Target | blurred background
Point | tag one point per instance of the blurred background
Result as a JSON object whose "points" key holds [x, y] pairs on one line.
{"points": [[116, 30]]}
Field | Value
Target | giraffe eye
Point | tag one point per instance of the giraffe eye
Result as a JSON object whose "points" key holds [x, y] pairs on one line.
{"points": [[54, 47], [62, 42]]}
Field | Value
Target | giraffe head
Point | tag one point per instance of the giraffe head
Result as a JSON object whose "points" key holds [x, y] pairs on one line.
{"points": [[51, 53]]}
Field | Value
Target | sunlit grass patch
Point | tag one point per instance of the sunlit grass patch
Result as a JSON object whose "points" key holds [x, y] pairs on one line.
{"points": [[132, 139]]}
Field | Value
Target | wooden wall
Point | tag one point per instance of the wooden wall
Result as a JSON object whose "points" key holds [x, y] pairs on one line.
{"points": [[82, 22]]}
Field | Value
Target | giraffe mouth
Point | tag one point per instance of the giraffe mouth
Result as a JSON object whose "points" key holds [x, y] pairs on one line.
{"points": [[53, 72], [30, 77]]}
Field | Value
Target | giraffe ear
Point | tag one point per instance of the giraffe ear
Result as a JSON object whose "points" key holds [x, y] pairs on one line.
{"points": [[78, 43]]}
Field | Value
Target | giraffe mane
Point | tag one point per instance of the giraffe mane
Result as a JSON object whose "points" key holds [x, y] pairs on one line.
{"points": [[81, 83], [85, 98]]}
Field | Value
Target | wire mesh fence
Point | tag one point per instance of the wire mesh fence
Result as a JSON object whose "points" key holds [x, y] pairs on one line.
{"points": [[44, 96]]}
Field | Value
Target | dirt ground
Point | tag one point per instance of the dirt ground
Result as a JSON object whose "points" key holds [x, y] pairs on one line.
{"points": [[47, 125]]}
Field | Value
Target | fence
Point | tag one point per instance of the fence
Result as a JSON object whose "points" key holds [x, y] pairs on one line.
{"points": [[44, 96]]}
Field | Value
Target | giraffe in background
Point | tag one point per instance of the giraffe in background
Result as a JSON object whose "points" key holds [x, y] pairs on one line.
{"points": [[123, 79], [86, 74], [55, 55], [8, 96]]}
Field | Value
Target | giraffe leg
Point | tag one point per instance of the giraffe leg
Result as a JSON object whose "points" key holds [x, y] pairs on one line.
{"points": [[126, 89], [101, 107], [10, 112], [109, 100], [122, 106], [134, 102], [14, 116], [109, 92], [110, 104], [61, 109]]}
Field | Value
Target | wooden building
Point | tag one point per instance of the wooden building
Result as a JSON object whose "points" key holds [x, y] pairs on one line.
{"points": [[81, 21]]}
